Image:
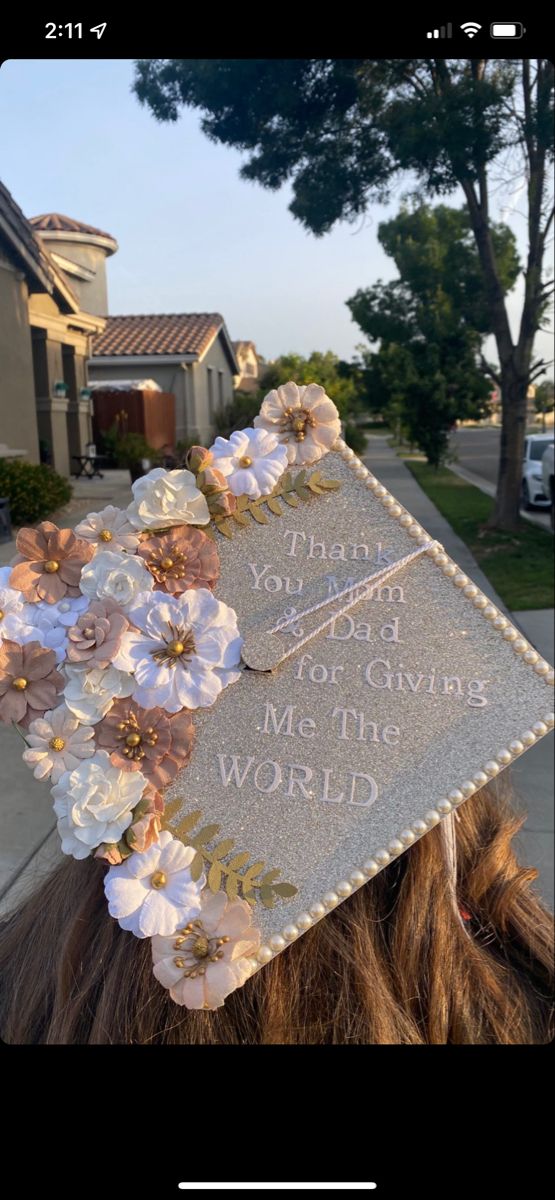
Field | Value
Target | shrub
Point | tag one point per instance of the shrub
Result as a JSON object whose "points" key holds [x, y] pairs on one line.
{"points": [[240, 414], [33, 491], [355, 438], [133, 447]]}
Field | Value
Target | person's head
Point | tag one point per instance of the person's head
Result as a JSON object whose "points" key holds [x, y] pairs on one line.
{"points": [[392, 964]]}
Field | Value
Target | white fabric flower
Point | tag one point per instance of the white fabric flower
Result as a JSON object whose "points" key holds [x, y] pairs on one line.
{"points": [[89, 694], [204, 964], [40, 622], [185, 650], [109, 529], [50, 622], [65, 613], [58, 742], [46, 630], [94, 804], [114, 576], [14, 621], [164, 498], [252, 461], [153, 892], [304, 418]]}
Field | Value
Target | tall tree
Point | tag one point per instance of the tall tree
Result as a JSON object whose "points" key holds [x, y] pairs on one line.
{"points": [[430, 323], [341, 130]]}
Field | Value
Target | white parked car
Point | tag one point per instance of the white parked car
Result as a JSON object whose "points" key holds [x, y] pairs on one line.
{"points": [[548, 479], [533, 492]]}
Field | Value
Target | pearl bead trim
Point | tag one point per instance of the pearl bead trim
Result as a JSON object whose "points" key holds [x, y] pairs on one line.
{"points": [[530, 657]]}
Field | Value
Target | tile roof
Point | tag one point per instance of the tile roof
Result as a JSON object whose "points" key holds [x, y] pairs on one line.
{"points": [[58, 223], [19, 225], [21, 234], [159, 333]]}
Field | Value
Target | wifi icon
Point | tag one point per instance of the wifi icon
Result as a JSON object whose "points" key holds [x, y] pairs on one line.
{"points": [[471, 28]]}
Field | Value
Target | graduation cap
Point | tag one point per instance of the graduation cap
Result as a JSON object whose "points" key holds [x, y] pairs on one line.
{"points": [[279, 681], [381, 688]]}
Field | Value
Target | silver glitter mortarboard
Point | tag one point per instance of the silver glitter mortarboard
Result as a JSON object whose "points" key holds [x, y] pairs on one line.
{"points": [[317, 774]]}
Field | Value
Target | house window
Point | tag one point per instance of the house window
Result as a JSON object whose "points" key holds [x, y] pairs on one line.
{"points": [[249, 369], [210, 379], [221, 389]]}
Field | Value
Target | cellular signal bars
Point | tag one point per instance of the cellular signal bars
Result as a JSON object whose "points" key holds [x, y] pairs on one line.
{"points": [[442, 32]]}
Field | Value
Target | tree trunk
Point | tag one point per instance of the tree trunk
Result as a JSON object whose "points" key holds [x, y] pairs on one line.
{"points": [[509, 480]]}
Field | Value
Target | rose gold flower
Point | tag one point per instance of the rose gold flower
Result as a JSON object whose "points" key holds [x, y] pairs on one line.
{"points": [[147, 739], [198, 459], [110, 853], [96, 637], [147, 820], [49, 562], [221, 502], [184, 558], [211, 482], [29, 682]]}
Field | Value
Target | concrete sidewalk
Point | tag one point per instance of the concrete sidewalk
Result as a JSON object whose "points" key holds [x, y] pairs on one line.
{"points": [[532, 775]]}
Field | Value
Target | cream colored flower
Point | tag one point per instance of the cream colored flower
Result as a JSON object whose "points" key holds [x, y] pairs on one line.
{"points": [[164, 498], [114, 576], [94, 804], [89, 694], [304, 418], [109, 529], [202, 962], [57, 743]]}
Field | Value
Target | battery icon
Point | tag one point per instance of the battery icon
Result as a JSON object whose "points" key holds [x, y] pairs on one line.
{"points": [[506, 29]]}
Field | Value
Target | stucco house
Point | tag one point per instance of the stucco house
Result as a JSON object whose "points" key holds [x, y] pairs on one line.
{"points": [[251, 367], [45, 339], [189, 354]]}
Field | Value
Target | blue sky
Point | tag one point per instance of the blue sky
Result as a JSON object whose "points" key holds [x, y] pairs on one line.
{"points": [[193, 236]]}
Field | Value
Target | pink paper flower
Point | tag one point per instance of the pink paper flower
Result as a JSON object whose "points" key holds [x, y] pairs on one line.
{"points": [[147, 739], [96, 638], [57, 742], [49, 563], [29, 681], [202, 962], [304, 418], [109, 530]]}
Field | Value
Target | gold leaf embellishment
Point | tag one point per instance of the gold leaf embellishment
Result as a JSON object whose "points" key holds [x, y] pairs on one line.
{"points": [[234, 875], [287, 491]]}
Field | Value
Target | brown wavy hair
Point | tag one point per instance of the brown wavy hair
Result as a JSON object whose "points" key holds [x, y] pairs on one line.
{"points": [[392, 964]]}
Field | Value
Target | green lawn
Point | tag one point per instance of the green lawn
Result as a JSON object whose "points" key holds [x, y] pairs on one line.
{"points": [[519, 565]]}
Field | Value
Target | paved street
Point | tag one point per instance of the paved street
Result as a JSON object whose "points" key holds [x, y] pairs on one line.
{"points": [[478, 450], [478, 458]]}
